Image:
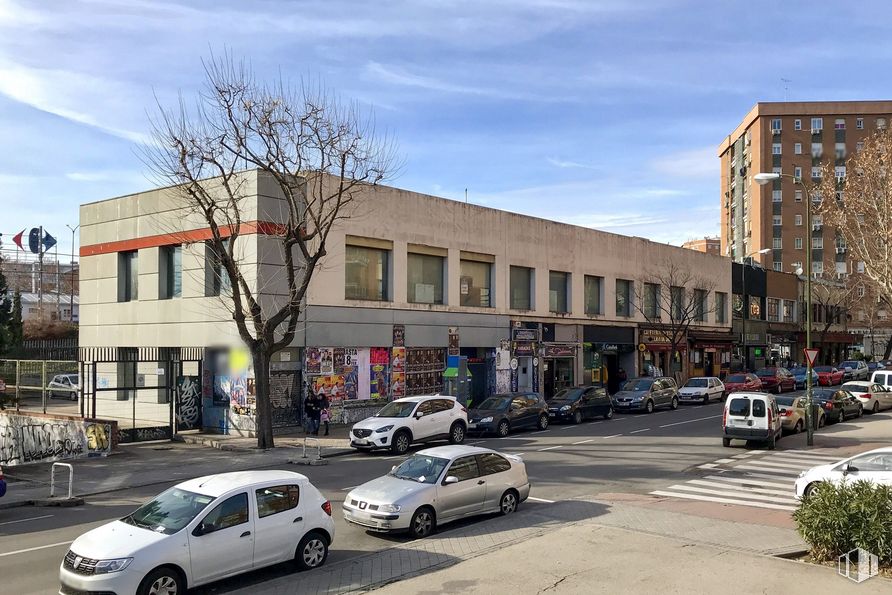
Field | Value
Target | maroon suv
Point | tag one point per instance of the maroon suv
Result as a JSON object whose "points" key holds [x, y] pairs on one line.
{"points": [[776, 380]]}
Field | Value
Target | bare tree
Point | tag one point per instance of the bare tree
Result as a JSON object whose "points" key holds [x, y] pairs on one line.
{"points": [[672, 297], [832, 300], [319, 153]]}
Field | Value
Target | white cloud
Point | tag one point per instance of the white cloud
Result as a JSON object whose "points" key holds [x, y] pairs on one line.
{"points": [[566, 164], [693, 163]]}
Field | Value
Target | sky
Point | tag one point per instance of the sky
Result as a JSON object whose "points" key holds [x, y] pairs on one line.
{"points": [[601, 113]]}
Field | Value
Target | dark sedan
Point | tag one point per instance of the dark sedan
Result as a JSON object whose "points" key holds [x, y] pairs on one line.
{"points": [[579, 403], [776, 380], [838, 405], [500, 414]]}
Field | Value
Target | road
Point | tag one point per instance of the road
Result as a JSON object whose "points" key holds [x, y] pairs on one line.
{"points": [[631, 454]]}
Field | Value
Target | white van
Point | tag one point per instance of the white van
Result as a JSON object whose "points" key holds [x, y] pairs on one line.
{"points": [[751, 416], [883, 378]]}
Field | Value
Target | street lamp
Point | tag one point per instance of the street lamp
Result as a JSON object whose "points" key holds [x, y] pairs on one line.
{"points": [[71, 303], [762, 179], [746, 351]]}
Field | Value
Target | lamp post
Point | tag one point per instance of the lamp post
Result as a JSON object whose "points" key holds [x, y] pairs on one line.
{"points": [[743, 314], [762, 179], [71, 303]]}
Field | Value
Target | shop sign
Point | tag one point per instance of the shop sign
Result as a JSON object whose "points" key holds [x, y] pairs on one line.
{"points": [[453, 341], [560, 350], [525, 334], [654, 337], [609, 347], [713, 346], [755, 307], [523, 349]]}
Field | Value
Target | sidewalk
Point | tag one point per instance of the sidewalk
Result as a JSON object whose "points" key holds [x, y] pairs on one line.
{"points": [[337, 443]]}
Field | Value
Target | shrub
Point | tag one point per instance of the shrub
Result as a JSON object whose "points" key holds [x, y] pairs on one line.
{"points": [[839, 518]]}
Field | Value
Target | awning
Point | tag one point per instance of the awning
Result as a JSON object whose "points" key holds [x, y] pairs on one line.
{"points": [[453, 373]]}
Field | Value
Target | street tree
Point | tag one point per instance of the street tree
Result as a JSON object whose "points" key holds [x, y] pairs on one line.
{"points": [[321, 154], [7, 326], [672, 297]]}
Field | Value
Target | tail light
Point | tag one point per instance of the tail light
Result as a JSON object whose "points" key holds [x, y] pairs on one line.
{"points": [[326, 506], [724, 418], [787, 412], [769, 418], [828, 405]]}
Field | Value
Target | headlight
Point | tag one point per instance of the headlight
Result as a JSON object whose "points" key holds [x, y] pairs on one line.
{"points": [[384, 429], [565, 408], [389, 508], [637, 397], [116, 565], [486, 420]]}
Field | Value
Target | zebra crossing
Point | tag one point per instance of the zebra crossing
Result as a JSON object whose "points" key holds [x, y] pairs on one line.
{"points": [[754, 478]]}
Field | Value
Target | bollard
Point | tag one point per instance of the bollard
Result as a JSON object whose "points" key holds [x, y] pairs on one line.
{"points": [[53, 479]]}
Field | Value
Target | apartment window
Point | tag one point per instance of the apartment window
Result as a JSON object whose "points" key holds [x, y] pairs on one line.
{"points": [[778, 266], [859, 123], [773, 306], [170, 272], [776, 124], [860, 266], [475, 285], [817, 124], [815, 171], [425, 274], [594, 287], [700, 305], [881, 123], [777, 195], [817, 243], [676, 303], [797, 149], [521, 288], [721, 307], [776, 243], [776, 220], [623, 297], [817, 150], [367, 274], [817, 268], [651, 305], [216, 279], [798, 195], [817, 221], [777, 170], [797, 172], [797, 124], [776, 149], [839, 196], [861, 291], [789, 311], [797, 242], [797, 219], [839, 124], [128, 276], [840, 172], [859, 145], [840, 150], [558, 292]]}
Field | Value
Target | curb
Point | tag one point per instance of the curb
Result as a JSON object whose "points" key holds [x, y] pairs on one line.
{"points": [[221, 445]]}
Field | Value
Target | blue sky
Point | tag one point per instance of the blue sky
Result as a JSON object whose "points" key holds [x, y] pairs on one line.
{"points": [[599, 113]]}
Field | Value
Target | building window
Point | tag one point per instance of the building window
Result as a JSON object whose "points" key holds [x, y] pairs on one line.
{"points": [[777, 170], [817, 150], [700, 305], [817, 268], [797, 149], [776, 243], [425, 276], [789, 311], [594, 286], [861, 291], [651, 301], [623, 297], [817, 124], [839, 124], [366, 274], [797, 124], [676, 303], [817, 243], [128, 276], [860, 266], [797, 243], [721, 307], [475, 285], [777, 195], [797, 173], [817, 221], [773, 305], [797, 219], [558, 292], [776, 124], [859, 145], [881, 123], [815, 172], [778, 266], [216, 279], [776, 149], [840, 171], [840, 150], [521, 288], [798, 195], [776, 220], [170, 273], [859, 123]]}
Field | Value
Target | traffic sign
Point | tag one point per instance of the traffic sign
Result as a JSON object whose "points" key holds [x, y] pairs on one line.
{"points": [[811, 354]]}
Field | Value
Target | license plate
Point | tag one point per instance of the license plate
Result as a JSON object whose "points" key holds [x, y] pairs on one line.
{"points": [[472, 426], [624, 404], [550, 414], [686, 397], [361, 441]]}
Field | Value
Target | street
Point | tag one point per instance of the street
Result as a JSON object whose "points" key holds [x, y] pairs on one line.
{"points": [[670, 459]]}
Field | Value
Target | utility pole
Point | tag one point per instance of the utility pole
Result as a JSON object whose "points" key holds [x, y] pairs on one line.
{"points": [[71, 303]]}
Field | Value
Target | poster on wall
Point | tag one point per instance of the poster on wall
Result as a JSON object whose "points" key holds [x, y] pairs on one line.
{"points": [[351, 382], [314, 360], [326, 360], [251, 396], [379, 356], [398, 360], [238, 394], [363, 374], [379, 387], [398, 384], [221, 391], [399, 335], [339, 360], [332, 387]]}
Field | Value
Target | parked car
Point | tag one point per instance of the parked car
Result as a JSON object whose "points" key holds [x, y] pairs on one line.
{"points": [[874, 366], [64, 386], [405, 421], [792, 412], [437, 485], [854, 370], [838, 405], [776, 379], [799, 374], [753, 417], [501, 414], [874, 466], [743, 381], [580, 403], [702, 389], [646, 394], [883, 378], [874, 397], [204, 530], [829, 376]]}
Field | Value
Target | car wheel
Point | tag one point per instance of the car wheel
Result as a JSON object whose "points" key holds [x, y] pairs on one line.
{"points": [[674, 403], [503, 428], [811, 488], [772, 442], [706, 399], [798, 427], [162, 581], [577, 417], [509, 502], [73, 396], [52, 395], [860, 411], [543, 421], [822, 421], [423, 523], [312, 551], [401, 442], [876, 407], [649, 406], [609, 414], [457, 433], [726, 442]]}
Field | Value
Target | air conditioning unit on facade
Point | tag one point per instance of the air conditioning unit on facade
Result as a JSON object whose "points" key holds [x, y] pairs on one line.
{"points": [[840, 250], [816, 226], [775, 131], [816, 130]]}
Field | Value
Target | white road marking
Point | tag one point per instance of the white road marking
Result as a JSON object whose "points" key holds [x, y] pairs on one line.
{"points": [[781, 465], [565, 427], [543, 500], [755, 467], [777, 483], [34, 549], [642, 430], [707, 466], [724, 461], [540, 432], [735, 493], [584, 441], [768, 476], [742, 488], [678, 423], [549, 448], [724, 500], [613, 436], [33, 518]]}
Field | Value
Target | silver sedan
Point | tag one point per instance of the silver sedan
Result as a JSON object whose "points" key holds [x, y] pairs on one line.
{"points": [[438, 485]]}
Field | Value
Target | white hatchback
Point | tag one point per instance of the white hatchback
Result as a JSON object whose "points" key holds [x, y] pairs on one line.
{"points": [[203, 530], [874, 466], [702, 389], [411, 419], [874, 397]]}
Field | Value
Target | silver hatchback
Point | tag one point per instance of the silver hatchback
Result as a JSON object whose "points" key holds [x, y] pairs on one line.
{"points": [[438, 485]]}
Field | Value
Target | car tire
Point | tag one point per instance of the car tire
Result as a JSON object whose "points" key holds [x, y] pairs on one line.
{"points": [[822, 421], [162, 580], [73, 396], [706, 399], [542, 424], [876, 407], [503, 428], [726, 442], [649, 406], [673, 404], [457, 433], [860, 411], [810, 489], [52, 395], [311, 552], [797, 429], [772, 442], [509, 502], [609, 414], [577, 417], [423, 523], [401, 443]]}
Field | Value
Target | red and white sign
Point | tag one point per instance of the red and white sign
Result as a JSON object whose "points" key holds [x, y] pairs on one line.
{"points": [[811, 354]]}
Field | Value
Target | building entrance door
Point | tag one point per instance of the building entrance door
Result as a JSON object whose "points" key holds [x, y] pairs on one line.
{"points": [[558, 375]]}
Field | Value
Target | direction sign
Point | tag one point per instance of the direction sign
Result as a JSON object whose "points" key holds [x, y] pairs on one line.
{"points": [[811, 354]]}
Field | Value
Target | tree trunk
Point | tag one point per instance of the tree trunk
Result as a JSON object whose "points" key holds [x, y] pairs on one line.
{"points": [[264, 422], [888, 349]]}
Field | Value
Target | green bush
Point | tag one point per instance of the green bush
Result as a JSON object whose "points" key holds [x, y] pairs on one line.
{"points": [[839, 518]]}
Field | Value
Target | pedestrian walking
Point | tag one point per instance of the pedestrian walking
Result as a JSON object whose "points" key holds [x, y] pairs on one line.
{"points": [[325, 414], [312, 410]]}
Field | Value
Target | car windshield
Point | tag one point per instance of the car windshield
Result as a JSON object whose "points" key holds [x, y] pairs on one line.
{"points": [[169, 512], [785, 401], [737, 378], [397, 409], [848, 365], [496, 402], [854, 388], [823, 369], [765, 372], [638, 384], [822, 395], [697, 383], [421, 468], [568, 394]]}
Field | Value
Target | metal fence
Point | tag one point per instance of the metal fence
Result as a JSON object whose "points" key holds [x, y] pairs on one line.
{"points": [[46, 385]]}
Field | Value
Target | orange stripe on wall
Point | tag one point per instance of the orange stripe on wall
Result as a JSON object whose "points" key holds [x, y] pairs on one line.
{"points": [[181, 237]]}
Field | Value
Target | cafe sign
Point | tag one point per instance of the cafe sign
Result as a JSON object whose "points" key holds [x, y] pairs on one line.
{"points": [[525, 334]]}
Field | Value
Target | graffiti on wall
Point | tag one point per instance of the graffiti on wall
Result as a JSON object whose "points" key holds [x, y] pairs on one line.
{"points": [[188, 403], [29, 439]]}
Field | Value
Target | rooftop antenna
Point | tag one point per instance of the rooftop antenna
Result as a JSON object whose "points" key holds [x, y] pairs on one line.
{"points": [[786, 87], [466, 196]]}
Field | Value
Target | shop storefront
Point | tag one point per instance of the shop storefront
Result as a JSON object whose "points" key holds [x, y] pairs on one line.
{"points": [[655, 353], [710, 354], [558, 368], [524, 363], [608, 355]]}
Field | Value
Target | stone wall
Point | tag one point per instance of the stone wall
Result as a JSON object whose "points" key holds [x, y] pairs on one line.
{"points": [[41, 437]]}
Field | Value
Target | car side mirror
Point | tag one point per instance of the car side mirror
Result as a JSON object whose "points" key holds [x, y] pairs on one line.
{"points": [[450, 479], [849, 468], [202, 529], [419, 414], [394, 468]]}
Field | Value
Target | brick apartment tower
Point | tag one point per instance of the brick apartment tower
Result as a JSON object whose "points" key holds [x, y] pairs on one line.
{"points": [[793, 138]]}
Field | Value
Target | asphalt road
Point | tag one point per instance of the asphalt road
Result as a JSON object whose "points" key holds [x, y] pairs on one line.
{"points": [[631, 453]]}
